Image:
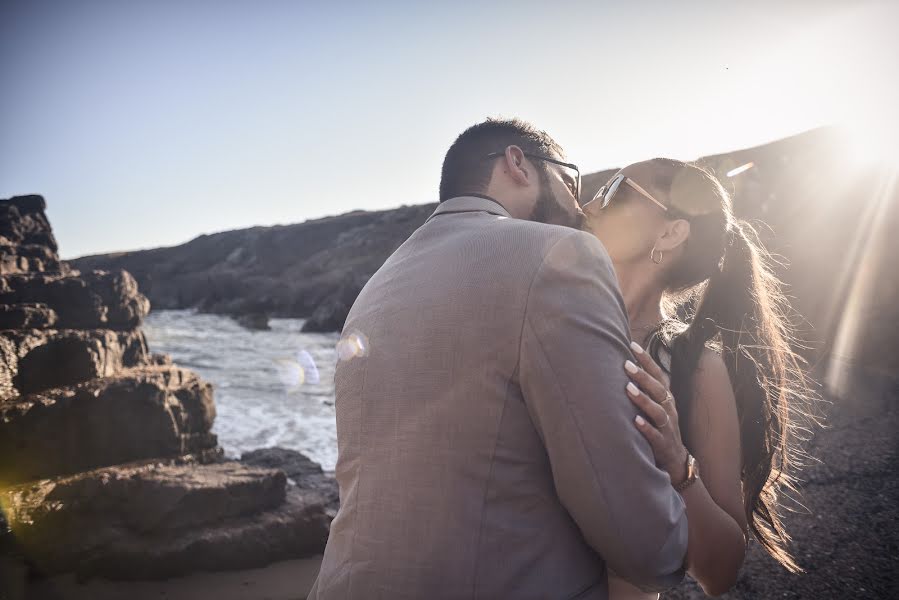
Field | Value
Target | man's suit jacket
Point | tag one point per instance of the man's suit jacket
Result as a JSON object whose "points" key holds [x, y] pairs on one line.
{"points": [[486, 445]]}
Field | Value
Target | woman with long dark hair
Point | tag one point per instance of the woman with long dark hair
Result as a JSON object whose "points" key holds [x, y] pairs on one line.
{"points": [[718, 388]]}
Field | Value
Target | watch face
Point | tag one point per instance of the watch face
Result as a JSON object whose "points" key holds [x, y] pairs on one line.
{"points": [[692, 474]]}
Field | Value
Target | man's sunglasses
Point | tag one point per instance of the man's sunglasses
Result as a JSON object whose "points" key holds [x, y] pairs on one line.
{"points": [[574, 186], [607, 192]]}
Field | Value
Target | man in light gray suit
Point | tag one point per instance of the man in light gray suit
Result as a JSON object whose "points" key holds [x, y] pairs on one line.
{"points": [[486, 447]]}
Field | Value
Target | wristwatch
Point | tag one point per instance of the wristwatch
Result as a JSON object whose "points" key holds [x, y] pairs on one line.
{"points": [[692, 474]]}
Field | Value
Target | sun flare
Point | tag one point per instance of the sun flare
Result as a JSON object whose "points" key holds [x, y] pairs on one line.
{"points": [[870, 143]]}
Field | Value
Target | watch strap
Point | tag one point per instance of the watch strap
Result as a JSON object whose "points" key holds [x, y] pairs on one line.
{"points": [[692, 474]]}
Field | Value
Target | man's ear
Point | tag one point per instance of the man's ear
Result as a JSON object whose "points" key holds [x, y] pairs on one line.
{"points": [[675, 234], [517, 167]]}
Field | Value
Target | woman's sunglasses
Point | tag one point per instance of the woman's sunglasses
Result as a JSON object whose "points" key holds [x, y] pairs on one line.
{"points": [[607, 192]]}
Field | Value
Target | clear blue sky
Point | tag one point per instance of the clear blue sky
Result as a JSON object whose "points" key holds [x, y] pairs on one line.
{"points": [[147, 123]]}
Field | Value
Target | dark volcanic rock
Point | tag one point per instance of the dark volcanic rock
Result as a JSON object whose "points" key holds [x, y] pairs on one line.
{"points": [[27, 316], [144, 498], [26, 240], [159, 520], [159, 359], [331, 314], [136, 485], [148, 412], [9, 361], [108, 300], [32, 257], [296, 529], [51, 359], [287, 271], [257, 321], [295, 464], [304, 472]]}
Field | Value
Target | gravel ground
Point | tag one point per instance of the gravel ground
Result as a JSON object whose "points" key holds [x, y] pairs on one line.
{"points": [[848, 540]]}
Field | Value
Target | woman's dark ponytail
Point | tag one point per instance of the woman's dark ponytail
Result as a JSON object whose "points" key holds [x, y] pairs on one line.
{"points": [[741, 311]]}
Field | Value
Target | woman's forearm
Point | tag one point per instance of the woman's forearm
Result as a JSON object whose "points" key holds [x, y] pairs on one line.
{"points": [[716, 546]]}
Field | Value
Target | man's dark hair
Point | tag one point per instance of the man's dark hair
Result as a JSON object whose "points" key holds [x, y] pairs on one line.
{"points": [[465, 170]]}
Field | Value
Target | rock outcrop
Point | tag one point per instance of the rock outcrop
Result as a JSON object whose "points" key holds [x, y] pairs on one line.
{"points": [[255, 321], [26, 240], [139, 413], [307, 475], [108, 465], [312, 270], [156, 520]]}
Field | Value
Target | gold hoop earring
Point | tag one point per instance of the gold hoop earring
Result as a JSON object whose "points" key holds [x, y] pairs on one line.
{"points": [[652, 255]]}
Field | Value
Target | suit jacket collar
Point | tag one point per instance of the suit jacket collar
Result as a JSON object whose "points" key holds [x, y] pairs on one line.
{"points": [[470, 203]]}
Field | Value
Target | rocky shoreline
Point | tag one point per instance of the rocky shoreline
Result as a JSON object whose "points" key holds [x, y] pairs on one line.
{"points": [[312, 270], [108, 466]]}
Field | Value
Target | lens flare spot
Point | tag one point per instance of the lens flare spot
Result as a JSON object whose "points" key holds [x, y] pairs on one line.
{"points": [[352, 345], [290, 373], [294, 373], [310, 371], [740, 169], [871, 143]]}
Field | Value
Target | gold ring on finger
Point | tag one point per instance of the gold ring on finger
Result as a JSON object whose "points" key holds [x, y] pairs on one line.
{"points": [[668, 397], [667, 420]]}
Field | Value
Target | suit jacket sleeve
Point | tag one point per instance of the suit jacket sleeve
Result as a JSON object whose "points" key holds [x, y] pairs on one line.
{"points": [[573, 347]]}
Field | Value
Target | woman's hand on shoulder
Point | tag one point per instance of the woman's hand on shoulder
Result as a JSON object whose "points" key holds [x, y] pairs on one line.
{"points": [[659, 422]]}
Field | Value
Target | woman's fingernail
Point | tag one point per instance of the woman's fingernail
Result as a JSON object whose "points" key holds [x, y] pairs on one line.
{"points": [[630, 367], [640, 421], [632, 389], [637, 348]]}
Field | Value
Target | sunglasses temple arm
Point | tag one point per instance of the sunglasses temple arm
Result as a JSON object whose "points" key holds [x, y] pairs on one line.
{"points": [[646, 194]]}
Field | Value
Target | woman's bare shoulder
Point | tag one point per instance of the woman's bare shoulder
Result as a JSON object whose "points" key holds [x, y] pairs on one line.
{"points": [[711, 369], [713, 395], [712, 387]]}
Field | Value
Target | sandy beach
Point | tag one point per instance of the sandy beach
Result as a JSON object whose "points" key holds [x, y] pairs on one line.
{"points": [[287, 580]]}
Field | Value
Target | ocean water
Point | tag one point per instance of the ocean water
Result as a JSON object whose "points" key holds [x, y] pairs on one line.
{"points": [[272, 388]]}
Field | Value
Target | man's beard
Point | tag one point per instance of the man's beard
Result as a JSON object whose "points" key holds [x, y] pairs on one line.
{"points": [[549, 210]]}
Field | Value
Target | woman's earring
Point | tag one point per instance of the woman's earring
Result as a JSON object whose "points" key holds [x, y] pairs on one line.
{"points": [[652, 255]]}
